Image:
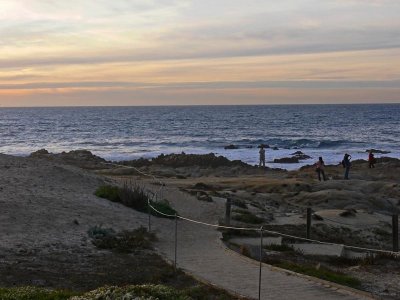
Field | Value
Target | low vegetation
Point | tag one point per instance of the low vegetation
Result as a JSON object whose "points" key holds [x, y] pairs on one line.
{"points": [[319, 272], [124, 241], [128, 292], [134, 197], [139, 292], [33, 293]]}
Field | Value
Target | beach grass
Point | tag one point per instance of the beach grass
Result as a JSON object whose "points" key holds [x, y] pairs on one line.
{"points": [[134, 197]]}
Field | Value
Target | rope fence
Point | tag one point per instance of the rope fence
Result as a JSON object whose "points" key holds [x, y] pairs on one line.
{"points": [[249, 228], [260, 230]]}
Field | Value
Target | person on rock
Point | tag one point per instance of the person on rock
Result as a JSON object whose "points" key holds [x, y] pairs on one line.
{"points": [[262, 156], [371, 159], [346, 164], [320, 168]]}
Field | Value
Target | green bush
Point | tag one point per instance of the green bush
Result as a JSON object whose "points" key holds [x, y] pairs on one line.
{"points": [[108, 192], [163, 207], [33, 293]]}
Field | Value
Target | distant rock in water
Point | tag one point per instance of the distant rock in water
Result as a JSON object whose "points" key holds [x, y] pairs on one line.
{"points": [[286, 160], [297, 153], [297, 156], [188, 160], [231, 147], [264, 146], [377, 151]]}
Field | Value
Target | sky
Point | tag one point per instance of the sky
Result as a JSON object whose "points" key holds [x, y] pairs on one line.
{"points": [[180, 52]]}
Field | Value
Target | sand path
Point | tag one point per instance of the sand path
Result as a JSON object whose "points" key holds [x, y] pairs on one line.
{"points": [[201, 253]]}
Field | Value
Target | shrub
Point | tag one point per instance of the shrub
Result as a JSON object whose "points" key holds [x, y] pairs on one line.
{"points": [[134, 197], [98, 232], [108, 192], [125, 241], [163, 207]]}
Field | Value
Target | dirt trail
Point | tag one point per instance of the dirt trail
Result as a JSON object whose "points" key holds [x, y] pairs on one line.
{"points": [[201, 253]]}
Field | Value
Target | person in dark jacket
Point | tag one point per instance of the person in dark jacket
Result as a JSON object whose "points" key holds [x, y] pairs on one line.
{"points": [[346, 164]]}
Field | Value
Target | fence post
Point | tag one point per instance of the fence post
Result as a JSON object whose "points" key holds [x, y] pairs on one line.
{"points": [[149, 213], [228, 212], [308, 222], [395, 231], [176, 239], [261, 257]]}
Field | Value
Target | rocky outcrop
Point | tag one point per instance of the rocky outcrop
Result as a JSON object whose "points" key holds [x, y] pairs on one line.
{"points": [[231, 147], [188, 160], [81, 158], [377, 151]]}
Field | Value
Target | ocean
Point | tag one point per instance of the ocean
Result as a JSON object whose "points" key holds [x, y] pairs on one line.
{"points": [[123, 133]]}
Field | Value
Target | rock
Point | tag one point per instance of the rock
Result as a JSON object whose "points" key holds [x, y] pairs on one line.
{"points": [[264, 145], [80, 158], [300, 155], [317, 217], [275, 148], [286, 160], [231, 147], [377, 151], [348, 213], [189, 160], [297, 153], [39, 153]]}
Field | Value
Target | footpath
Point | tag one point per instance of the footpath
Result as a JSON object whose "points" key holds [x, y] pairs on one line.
{"points": [[201, 254]]}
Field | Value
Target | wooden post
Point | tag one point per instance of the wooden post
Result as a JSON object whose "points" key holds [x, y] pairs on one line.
{"points": [[261, 257], [228, 205], [308, 222], [176, 240], [149, 213], [395, 231]]}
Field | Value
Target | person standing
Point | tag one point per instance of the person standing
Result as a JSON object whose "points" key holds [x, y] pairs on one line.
{"points": [[262, 156], [371, 159], [346, 164], [320, 166]]}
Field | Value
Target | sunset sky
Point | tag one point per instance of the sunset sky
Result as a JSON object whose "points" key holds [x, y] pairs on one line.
{"points": [[162, 52]]}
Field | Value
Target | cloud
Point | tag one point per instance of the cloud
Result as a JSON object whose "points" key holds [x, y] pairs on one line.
{"points": [[131, 44], [299, 84]]}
